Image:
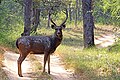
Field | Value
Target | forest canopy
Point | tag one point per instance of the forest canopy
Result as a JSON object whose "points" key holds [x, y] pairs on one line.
{"points": [[105, 11]]}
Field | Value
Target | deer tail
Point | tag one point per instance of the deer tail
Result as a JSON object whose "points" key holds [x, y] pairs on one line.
{"points": [[17, 43]]}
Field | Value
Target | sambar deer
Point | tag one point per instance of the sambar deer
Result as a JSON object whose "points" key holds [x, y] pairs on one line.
{"points": [[40, 44]]}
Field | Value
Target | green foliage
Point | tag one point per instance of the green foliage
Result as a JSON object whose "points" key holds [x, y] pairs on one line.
{"points": [[54, 5], [112, 6], [11, 20], [10, 13], [95, 64], [107, 12], [8, 37]]}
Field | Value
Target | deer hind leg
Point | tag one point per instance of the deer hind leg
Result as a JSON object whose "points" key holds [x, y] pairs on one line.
{"points": [[19, 62], [46, 54]]}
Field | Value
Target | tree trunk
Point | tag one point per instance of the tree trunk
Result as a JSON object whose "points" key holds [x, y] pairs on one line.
{"points": [[88, 23], [79, 10], [48, 24], [76, 13], [27, 17], [35, 19], [70, 16]]}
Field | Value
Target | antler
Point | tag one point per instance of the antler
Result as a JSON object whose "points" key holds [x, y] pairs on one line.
{"points": [[66, 17], [51, 19], [63, 21]]}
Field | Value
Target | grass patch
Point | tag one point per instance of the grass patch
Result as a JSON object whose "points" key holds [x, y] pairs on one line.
{"points": [[36, 64], [95, 64], [37, 69]]}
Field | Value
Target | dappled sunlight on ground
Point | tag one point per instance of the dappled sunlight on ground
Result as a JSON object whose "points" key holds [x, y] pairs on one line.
{"points": [[10, 66], [105, 40], [57, 68]]}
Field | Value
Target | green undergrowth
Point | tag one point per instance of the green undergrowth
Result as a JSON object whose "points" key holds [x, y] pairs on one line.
{"points": [[8, 36], [93, 64]]}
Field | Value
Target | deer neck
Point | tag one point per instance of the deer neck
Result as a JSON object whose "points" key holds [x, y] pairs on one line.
{"points": [[56, 40]]}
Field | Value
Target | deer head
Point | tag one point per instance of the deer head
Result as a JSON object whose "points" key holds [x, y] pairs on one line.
{"points": [[58, 29]]}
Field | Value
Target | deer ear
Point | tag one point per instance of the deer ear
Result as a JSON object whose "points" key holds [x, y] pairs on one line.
{"points": [[63, 26], [53, 26]]}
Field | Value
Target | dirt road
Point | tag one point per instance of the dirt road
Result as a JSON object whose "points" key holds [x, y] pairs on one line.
{"points": [[105, 40], [57, 69], [10, 66]]}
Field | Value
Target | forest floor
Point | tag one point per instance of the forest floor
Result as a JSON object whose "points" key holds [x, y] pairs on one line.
{"points": [[57, 67]]}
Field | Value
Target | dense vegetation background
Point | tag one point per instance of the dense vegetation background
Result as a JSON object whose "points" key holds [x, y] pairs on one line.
{"points": [[11, 15]]}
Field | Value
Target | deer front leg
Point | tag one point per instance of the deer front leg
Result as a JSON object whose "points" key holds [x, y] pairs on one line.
{"points": [[46, 54], [49, 64]]}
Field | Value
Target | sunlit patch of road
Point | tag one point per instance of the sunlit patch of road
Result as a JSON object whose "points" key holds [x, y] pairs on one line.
{"points": [[10, 66]]}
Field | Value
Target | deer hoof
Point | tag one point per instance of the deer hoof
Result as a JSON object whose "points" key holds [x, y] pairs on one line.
{"points": [[48, 72], [20, 75]]}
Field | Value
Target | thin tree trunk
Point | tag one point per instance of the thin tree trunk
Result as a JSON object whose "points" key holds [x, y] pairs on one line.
{"points": [[88, 23], [76, 14], [48, 25], [79, 10], [35, 17], [27, 17], [35, 20], [70, 16]]}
